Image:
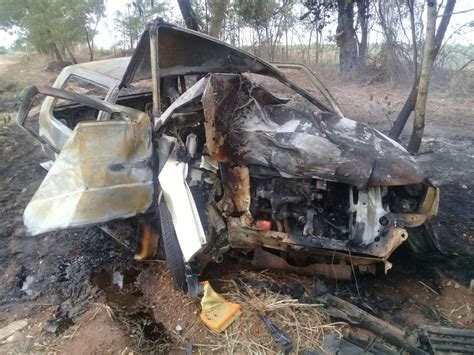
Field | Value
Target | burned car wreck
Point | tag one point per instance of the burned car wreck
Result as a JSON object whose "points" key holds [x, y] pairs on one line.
{"points": [[208, 161]]}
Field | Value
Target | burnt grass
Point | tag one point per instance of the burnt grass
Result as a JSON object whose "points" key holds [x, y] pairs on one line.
{"points": [[59, 263], [63, 264]]}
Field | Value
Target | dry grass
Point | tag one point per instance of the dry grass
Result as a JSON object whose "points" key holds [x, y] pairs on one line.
{"points": [[305, 324], [462, 83]]}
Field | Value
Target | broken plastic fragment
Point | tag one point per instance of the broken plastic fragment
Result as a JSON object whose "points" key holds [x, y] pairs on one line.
{"points": [[117, 279], [279, 335], [26, 287], [217, 313]]}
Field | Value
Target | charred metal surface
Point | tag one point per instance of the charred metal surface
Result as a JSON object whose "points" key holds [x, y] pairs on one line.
{"points": [[339, 308], [237, 190], [104, 171], [238, 167], [265, 260], [430, 203], [370, 216], [248, 239], [242, 128], [186, 52], [446, 340]]}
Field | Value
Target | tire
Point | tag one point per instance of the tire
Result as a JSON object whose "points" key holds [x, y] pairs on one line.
{"points": [[173, 254], [424, 241]]}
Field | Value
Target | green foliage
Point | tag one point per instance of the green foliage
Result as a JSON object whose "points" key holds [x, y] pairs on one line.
{"points": [[269, 19], [130, 24], [12, 12], [49, 24], [256, 13], [205, 10], [92, 14]]}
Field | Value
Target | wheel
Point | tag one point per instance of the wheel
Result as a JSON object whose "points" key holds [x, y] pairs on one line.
{"points": [[173, 254], [424, 241]]}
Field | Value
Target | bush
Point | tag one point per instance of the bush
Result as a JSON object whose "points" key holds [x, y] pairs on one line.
{"points": [[462, 83]]}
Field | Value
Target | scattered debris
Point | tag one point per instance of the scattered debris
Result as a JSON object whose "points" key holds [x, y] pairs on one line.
{"points": [[320, 287], [117, 279], [265, 260], [217, 313], [26, 285], [442, 339], [279, 335], [104, 307], [351, 345], [428, 287], [341, 309], [59, 324], [12, 328]]}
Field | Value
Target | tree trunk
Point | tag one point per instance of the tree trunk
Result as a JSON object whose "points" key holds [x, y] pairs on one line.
{"points": [[318, 36], [409, 105], [309, 48], [189, 17], [424, 82], [345, 36], [56, 52], [130, 35], [71, 55], [63, 51], [89, 45], [218, 16], [363, 16], [411, 9]]}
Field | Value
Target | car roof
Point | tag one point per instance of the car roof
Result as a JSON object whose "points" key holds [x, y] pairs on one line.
{"points": [[181, 51], [113, 68]]}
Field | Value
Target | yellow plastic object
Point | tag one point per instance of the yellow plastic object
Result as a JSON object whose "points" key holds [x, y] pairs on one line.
{"points": [[217, 313]]}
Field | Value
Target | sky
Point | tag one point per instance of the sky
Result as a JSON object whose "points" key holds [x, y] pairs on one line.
{"points": [[105, 38]]}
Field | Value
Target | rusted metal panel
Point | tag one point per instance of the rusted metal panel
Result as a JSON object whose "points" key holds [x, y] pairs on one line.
{"points": [[265, 260], [236, 191], [248, 239], [244, 126], [104, 171]]}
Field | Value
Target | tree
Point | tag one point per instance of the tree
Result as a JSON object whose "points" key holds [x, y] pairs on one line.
{"points": [[352, 52], [92, 19], [409, 105], [346, 36], [424, 81], [132, 23], [49, 25], [269, 20], [189, 16], [363, 15], [218, 11]]}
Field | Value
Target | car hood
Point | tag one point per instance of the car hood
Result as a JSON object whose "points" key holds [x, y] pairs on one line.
{"points": [[246, 124]]}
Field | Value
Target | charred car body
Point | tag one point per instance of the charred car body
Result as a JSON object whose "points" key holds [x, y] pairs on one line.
{"points": [[206, 161]]}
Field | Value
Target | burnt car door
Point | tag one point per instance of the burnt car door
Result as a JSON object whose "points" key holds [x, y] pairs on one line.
{"points": [[103, 172]]}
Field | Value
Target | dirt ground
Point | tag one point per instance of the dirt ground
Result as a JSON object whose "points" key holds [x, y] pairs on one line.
{"points": [[68, 279]]}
